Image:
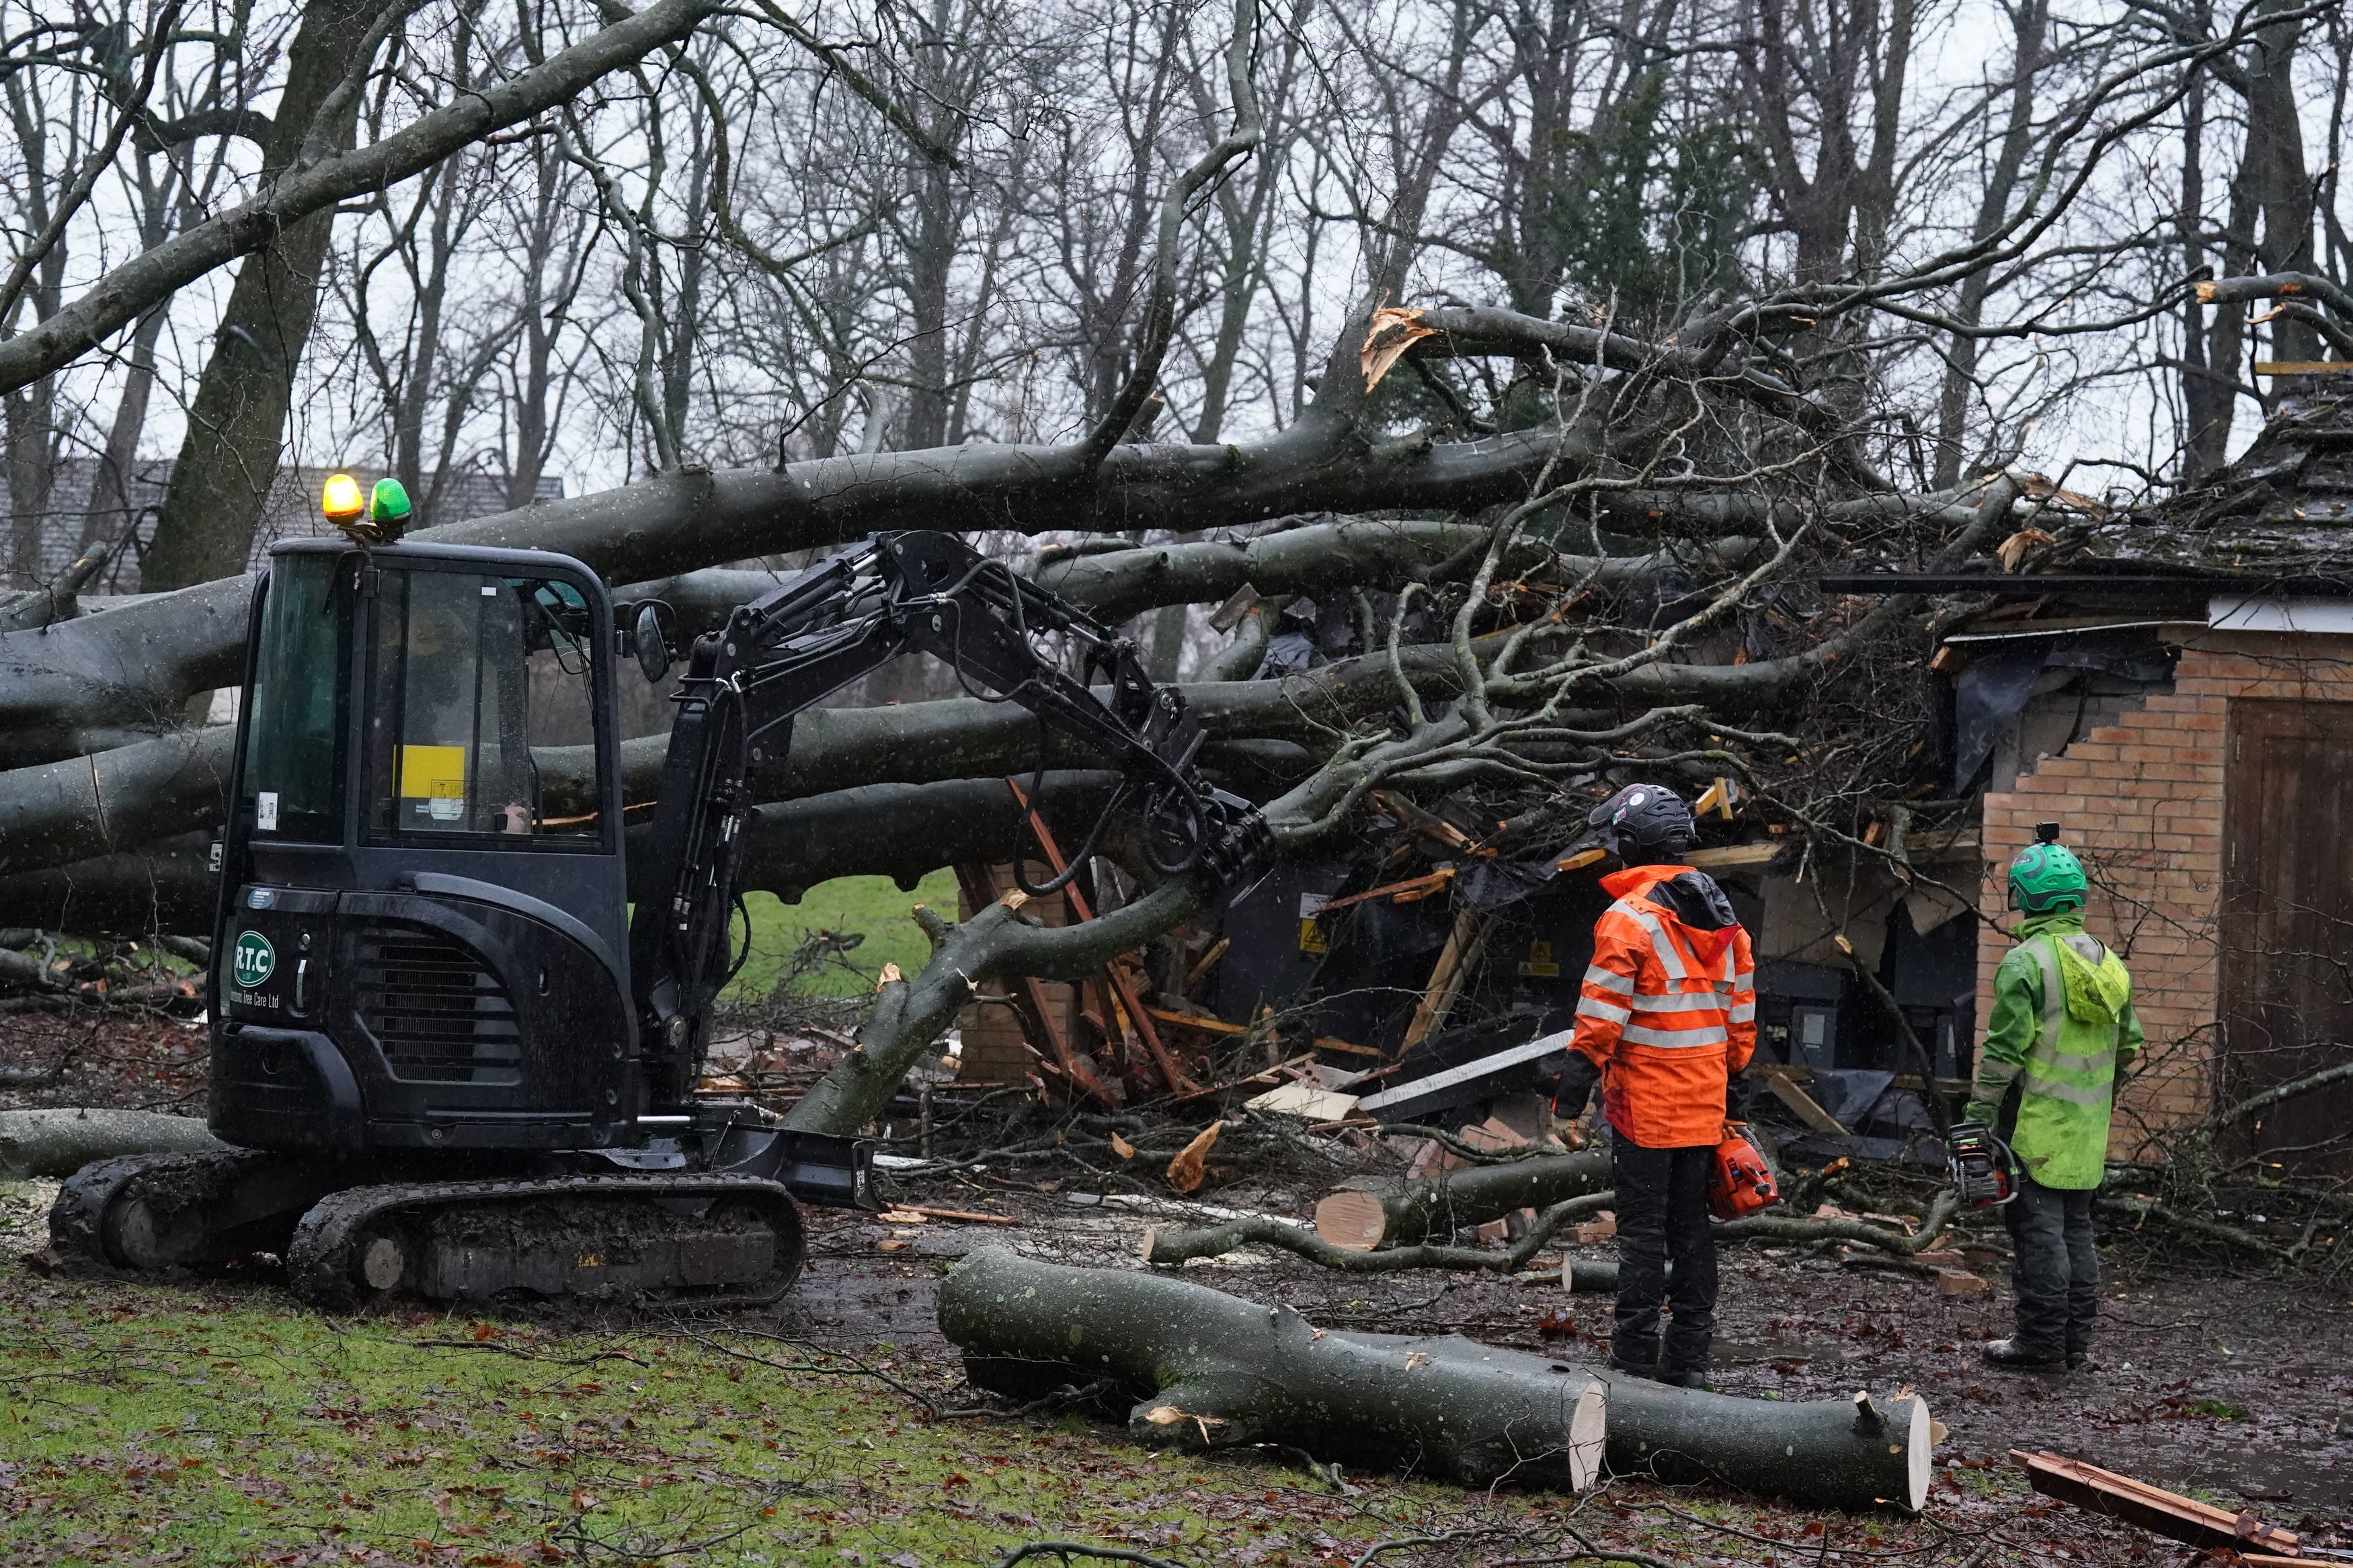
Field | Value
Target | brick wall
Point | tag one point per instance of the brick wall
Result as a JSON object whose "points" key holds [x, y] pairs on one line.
{"points": [[2142, 803]]}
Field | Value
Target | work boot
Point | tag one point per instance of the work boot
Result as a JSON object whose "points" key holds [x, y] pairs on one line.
{"points": [[2016, 1357], [1642, 1369], [2081, 1360], [1691, 1378]]}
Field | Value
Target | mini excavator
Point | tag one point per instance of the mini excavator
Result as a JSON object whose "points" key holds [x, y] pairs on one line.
{"points": [[451, 1061]]}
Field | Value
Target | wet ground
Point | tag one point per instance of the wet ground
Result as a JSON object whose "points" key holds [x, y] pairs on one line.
{"points": [[2238, 1389]]}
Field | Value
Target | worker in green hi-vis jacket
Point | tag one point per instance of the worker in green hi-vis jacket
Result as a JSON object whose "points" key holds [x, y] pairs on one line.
{"points": [[2063, 1030]]}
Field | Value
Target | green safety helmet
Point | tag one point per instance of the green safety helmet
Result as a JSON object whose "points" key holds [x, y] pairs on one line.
{"points": [[2046, 877]]}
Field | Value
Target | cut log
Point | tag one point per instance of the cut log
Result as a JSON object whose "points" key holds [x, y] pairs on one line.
{"points": [[59, 1143], [1376, 1211], [1208, 1370]]}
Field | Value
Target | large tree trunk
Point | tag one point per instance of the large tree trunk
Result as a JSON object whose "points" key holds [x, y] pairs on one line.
{"points": [[158, 886], [59, 1143], [1208, 1370], [139, 662], [162, 885], [238, 422]]}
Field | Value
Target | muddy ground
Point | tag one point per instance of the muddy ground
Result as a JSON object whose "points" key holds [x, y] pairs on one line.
{"points": [[2239, 1389]]}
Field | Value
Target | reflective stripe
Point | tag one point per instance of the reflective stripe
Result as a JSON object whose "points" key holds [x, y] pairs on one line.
{"points": [[1731, 957], [2070, 1061], [1594, 1007], [2074, 1094], [1741, 1012], [1680, 1002], [1669, 960], [1708, 1035], [1745, 981], [1609, 980], [2054, 999]]}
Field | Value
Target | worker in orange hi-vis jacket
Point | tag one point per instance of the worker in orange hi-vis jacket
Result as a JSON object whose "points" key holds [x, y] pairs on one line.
{"points": [[1667, 1016]]}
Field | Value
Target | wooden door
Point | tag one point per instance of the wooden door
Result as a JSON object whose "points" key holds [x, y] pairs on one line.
{"points": [[2286, 937]]}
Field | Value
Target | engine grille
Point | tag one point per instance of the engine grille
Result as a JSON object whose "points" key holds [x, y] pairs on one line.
{"points": [[438, 1013]]}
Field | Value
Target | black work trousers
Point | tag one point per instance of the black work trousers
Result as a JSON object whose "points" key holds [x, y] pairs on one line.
{"points": [[1662, 1214], [2057, 1270]]}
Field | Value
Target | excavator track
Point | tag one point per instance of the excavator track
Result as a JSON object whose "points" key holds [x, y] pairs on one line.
{"points": [[160, 1213], [712, 1241]]}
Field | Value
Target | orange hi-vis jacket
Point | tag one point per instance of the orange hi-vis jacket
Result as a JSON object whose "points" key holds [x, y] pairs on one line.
{"points": [[1668, 1013]]}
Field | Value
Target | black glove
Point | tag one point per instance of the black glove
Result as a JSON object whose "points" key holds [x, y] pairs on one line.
{"points": [[1573, 1085], [1739, 1094]]}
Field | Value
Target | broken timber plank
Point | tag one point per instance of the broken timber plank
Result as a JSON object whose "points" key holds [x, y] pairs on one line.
{"points": [[2161, 1513], [1172, 1077], [1731, 856], [1455, 962], [1786, 1090]]}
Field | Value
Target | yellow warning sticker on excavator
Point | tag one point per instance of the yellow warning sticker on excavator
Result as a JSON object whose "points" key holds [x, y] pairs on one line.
{"points": [[432, 772], [1540, 961]]}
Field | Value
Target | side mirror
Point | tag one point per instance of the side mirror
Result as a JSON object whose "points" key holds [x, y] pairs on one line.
{"points": [[647, 640]]}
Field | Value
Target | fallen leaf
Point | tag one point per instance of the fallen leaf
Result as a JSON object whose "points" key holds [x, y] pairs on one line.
{"points": [[1393, 330], [1122, 1147], [1185, 1171]]}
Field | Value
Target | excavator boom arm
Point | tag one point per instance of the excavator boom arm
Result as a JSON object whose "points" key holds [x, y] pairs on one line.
{"points": [[816, 633]]}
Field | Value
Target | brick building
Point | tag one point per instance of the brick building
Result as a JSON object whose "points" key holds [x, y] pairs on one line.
{"points": [[2182, 704]]}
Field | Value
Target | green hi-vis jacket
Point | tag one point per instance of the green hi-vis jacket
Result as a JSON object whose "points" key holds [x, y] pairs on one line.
{"points": [[2062, 1028]]}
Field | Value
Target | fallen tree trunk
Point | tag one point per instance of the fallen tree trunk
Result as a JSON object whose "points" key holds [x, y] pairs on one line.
{"points": [[161, 886], [1391, 1210], [59, 1143], [113, 800], [150, 657], [1206, 1370], [1114, 584]]}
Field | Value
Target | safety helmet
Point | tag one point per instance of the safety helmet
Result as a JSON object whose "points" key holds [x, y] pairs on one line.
{"points": [[1644, 823], [2046, 877]]}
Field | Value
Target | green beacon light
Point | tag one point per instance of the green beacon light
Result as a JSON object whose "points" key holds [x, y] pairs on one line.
{"points": [[388, 502]]}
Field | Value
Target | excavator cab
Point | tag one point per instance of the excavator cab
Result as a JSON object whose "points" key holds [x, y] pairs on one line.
{"points": [[423, 944]]}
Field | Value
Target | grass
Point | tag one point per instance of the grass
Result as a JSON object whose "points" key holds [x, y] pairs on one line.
{"points": [[871, 907], [223, 1425]]}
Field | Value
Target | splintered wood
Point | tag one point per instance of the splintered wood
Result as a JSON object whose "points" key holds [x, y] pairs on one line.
{"points": [[2155, 1509]]}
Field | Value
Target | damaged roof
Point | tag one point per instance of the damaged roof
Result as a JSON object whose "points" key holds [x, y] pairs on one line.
{"points": [[2281, 514]]}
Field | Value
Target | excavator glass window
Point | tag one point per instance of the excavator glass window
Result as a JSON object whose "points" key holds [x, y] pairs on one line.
{"points": [[472, 675], [302, 674]]}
